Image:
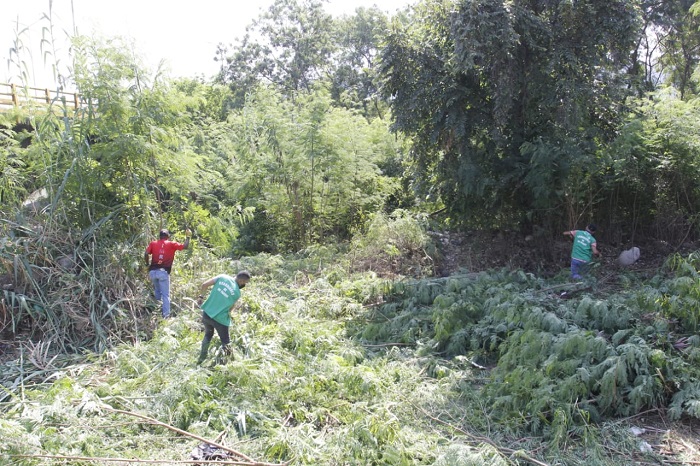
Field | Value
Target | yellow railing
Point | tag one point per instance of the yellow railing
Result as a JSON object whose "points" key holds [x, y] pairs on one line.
{"points": [[12, 95]]}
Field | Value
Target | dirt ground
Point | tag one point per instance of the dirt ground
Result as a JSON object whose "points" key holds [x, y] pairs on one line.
{"points": [[677, 442], [544, 257]]}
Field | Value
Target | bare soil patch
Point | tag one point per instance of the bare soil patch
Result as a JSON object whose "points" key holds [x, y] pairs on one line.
{"points": [[544, 257]]}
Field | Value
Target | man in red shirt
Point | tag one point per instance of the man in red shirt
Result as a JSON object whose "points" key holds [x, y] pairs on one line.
{"points": [[162, 254]]}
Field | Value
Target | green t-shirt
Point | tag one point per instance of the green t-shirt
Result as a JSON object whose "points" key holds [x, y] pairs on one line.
{"points": [[582, 249], [222, 297]]}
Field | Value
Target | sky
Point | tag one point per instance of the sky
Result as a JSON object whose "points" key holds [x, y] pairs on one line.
{"points": [[182, 34]]}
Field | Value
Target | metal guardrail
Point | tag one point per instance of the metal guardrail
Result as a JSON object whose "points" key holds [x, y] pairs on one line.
{"points": [[13, 96]]}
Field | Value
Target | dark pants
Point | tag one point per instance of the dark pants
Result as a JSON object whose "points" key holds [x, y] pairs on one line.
{"points": [[209, 326]]}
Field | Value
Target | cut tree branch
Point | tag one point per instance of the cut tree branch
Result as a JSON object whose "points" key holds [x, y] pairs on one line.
{"points": [[478, 438], [248, 461]]}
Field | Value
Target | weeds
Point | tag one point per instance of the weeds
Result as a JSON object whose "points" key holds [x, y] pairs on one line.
{"points": [[364, 371]]}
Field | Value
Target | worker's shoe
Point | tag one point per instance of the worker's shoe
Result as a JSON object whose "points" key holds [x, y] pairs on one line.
{"points": [[203, 352]]}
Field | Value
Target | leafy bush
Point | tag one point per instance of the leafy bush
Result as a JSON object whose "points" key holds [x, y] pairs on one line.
{"points": [[397, 242]]}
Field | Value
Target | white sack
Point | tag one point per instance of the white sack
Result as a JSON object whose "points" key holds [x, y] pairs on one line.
{"points": [[629, 257]]}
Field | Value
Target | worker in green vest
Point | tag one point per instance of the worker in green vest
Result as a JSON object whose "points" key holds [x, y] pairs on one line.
{"points": [[582, 252], [225, 292]]}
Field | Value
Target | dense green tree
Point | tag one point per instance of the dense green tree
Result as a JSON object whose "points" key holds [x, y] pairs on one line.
{"points": [[354, 80], [666, 50], [126, 149], [508, 102], [289, 45], [653, 187], [643, 69], [680, 47], [295, 44], [144, 153], [311, 168], [210, 205]]}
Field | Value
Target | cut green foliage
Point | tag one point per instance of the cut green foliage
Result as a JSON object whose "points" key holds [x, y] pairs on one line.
{"points": [[557, 363], [368, 371], [295, 388]]}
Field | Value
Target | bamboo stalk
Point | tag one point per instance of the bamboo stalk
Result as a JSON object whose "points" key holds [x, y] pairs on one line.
{"points": [[249, 461]]}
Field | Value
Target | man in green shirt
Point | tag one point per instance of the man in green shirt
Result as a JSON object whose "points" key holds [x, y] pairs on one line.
{"points": [[582, 252], [225, 293]]}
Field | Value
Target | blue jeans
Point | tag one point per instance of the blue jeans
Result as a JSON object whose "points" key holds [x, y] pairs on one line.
{"points": [[161, 287], [578, 268]]}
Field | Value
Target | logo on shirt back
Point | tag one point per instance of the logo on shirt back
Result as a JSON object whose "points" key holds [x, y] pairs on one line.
{"points": [[225, 288], [584, 241]]}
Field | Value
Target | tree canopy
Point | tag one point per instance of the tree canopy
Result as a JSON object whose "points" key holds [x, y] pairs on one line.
{"points": [[508, 102]]}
